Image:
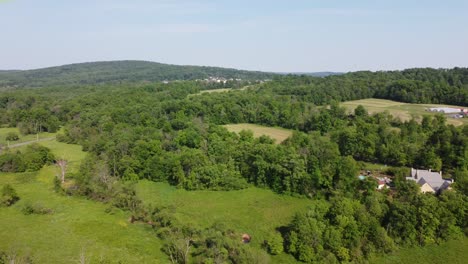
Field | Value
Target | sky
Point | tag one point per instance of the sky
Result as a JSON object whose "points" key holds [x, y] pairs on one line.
{"points": [[276, 36]]}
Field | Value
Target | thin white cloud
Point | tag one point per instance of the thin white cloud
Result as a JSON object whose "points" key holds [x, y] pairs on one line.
{"points": [[188, 28], [338, 11], [163, 7]]}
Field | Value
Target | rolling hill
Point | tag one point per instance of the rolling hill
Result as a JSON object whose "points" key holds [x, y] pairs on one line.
{"points": [[91, 73]]}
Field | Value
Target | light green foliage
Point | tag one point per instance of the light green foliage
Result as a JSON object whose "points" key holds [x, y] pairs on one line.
{"points": [[274, 244]]}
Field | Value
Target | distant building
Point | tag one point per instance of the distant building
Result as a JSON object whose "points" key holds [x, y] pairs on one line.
{"points": [[446, 110], [429, 181], [381, 184]]}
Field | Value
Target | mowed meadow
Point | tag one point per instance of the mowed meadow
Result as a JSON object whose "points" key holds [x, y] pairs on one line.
{"points": [[404, 111], [276, 133]]}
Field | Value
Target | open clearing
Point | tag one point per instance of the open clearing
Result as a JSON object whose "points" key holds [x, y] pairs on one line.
{"points": [[402, 110], [76, 226], [221, 90], [255, 211], [453, 252], [278, 134], [22, 138]]}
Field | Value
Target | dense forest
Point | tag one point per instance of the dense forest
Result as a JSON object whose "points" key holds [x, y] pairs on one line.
{"points": [[159, 132], [93, 73], [444, 86]]}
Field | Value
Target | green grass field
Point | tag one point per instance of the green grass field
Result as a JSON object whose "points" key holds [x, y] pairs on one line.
{"points": [[276, 133], [22, 138], [402, 110], [253, 210], [451, 252], [77, 225]]}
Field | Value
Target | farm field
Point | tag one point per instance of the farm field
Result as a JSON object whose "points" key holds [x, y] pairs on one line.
{"points": [[402, 110], [255, 211], [221, 90], [278, 134], [215, 91], [76, 227]]}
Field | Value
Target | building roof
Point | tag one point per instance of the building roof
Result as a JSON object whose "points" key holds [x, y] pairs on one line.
{"points": [[433, 179]]}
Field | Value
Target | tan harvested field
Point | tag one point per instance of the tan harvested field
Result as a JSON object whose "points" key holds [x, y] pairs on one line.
{"points": [[216, 91], [223, 90], [402, 110], [278, 134]]}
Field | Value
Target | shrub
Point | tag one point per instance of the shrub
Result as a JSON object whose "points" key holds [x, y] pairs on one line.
{"points": [[9, 196], [274, 244], [12, 136], [37, 208], [12, 162]]}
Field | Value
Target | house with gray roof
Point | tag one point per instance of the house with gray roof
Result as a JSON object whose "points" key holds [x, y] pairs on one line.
{"points": [[429, 181]]}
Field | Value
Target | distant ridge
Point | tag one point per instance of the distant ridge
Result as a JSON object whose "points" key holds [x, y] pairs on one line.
{"points": [[91, 73]]}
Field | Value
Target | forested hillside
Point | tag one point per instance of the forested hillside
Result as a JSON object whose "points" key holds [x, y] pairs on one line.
{"points": [[157, 132], [420, 85], [93, 73]]}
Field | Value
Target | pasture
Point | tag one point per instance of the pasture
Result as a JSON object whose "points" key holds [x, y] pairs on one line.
{"points": [[404, 111], [276, 133]]}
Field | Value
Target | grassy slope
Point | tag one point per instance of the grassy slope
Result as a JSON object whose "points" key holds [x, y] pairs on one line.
{"points": [[77, 224], [278, 134], [402, 110], [453, 252], [254, 211]]}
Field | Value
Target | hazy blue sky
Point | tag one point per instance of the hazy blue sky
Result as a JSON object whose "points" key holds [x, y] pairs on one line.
{"points": [[294, 35]]}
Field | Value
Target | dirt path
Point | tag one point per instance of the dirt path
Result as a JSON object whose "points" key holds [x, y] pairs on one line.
{"points": [[26, 143]]}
